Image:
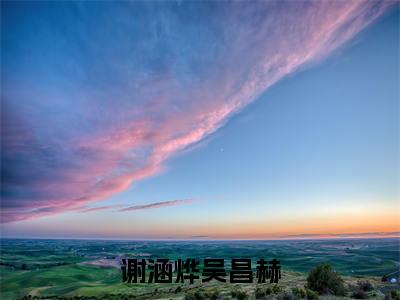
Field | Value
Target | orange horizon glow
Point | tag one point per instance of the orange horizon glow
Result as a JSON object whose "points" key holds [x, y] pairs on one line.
{"points": [[371, 224]]}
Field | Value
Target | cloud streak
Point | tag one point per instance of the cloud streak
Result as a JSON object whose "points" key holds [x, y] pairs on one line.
{"points": [[97, 96], [157, 205], [98, 208], [120, 208]]}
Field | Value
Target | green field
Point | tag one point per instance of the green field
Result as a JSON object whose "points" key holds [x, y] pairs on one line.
{"points": [[71, 268]]}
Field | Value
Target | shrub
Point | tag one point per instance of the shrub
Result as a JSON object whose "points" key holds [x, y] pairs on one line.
{"points": [[276, 289], [242, 295], [324, 280], [360, 294], [178, 289], [395, 294], [260, 293], [214, 295], [299, 293], [200, 295], [268, 291], [311, 295], [189, 296], [234, 293], [365, 285], [239, 294]]}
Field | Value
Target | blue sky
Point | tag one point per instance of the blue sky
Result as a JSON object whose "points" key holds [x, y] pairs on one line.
{"points": [[238, 146]]}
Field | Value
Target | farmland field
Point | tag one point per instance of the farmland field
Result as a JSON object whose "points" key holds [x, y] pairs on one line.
{"points": [[68, 268]]}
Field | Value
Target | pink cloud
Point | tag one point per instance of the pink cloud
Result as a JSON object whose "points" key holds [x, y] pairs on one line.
{"points": [[116, 134]]}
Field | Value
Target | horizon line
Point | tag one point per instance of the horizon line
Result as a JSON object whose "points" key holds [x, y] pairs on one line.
{"points": [[394, 236]]}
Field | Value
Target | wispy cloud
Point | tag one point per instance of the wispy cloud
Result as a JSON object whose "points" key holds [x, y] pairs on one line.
{"points": [[121, 208], [98, 208], [157, 205], [88, 110]]}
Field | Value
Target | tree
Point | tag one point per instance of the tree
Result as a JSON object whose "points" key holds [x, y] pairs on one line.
{"points": [[324, 280]]}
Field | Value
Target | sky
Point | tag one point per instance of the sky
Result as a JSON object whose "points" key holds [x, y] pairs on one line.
{"points": [[199, 120]]}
